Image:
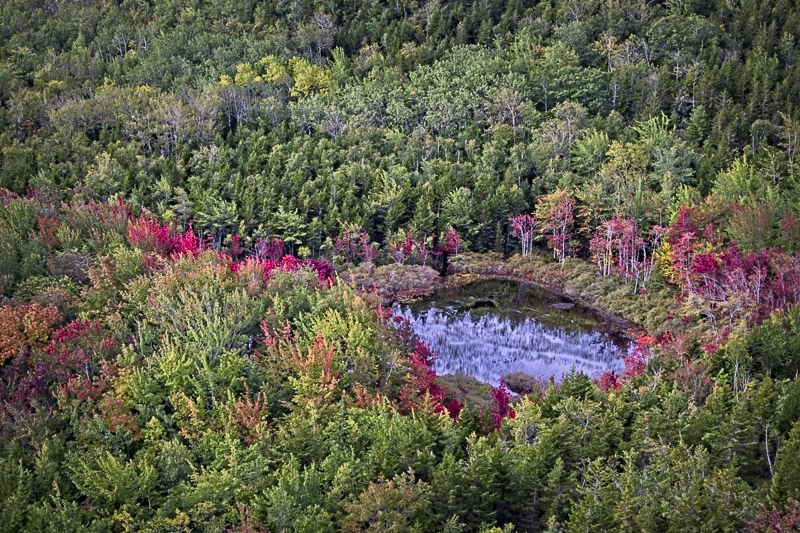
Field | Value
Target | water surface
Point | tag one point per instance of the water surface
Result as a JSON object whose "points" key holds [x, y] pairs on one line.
{"points": [[490, 328]]}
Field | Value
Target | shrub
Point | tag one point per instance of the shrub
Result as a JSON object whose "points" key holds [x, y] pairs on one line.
{"points": [[24, 328]]}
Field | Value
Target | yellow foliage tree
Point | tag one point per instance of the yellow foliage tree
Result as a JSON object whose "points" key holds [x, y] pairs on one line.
{"points": [[308, 78]]}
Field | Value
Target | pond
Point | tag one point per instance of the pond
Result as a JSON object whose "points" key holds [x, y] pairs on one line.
{"points": [[491, 328]]}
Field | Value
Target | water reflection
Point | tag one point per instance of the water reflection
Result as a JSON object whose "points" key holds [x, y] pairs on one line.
{"points": [[535, 338]]}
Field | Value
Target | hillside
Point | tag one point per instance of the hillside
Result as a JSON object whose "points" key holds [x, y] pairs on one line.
{"points": [[187, 190]]}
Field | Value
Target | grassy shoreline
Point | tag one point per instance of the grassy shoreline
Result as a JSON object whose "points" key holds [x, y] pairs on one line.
{"points": [[575, 279]]}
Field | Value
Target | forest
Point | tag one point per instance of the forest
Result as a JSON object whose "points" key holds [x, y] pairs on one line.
{"points": [[189, 188]]}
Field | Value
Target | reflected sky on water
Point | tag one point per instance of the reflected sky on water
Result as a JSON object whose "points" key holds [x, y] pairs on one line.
{"points": [[489, 329]]}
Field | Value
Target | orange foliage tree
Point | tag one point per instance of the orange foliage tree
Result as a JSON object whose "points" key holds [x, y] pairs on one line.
{"points": [[24, 328]]}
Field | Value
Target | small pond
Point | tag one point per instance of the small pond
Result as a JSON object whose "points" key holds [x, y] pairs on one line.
{"points": [[490, 328]]}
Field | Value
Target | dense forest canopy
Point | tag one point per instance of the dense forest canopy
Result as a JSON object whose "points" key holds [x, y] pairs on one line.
{"points": [[179, 182], [408, 115]]}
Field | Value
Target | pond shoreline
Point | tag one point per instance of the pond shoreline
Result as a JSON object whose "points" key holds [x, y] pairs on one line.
{"points": [[627, 328], [575, 281], [579, 281]]}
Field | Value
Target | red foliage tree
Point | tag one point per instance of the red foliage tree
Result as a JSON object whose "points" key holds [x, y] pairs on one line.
{"points": [[421, 381], [151, 237], [47, 230], [777, 520], [724, 284], [617, 247], [502, 405], [556, 212], [636, 361], [602, 246], [454, 408], [366, 251], [248, 416], [70, 363], [422, 250], [188, 243], [352, 244], [236, 249], [452, 241], [269, 249], [98, 222], [324, 270], [401, 250], [523, 227], [609, 381], [77, 350]]}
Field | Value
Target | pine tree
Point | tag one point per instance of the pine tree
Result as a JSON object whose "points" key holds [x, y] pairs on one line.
{"points": [[786, 481]]}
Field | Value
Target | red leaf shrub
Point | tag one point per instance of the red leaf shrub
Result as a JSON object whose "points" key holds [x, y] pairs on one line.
{"points": [[452, 241], [151, 237], [77, 350], [609, 381], [248, 416], [636, 362], [269, 249], [501, 408], [777, 520]]}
